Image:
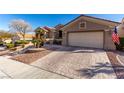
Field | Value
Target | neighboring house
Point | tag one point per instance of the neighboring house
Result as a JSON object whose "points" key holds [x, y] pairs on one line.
{"points": [[50, 31], [58, 34], [53, 34], [87, 31]]}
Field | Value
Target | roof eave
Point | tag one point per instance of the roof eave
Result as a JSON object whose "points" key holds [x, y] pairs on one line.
{"points": [[117, 23]]}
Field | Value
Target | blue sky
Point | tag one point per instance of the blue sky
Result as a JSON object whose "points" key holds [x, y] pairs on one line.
{"points": [[51, 20]]}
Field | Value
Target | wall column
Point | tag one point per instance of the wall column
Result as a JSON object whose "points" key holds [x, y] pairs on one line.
{"points": [[108, 43], [64, 38]]}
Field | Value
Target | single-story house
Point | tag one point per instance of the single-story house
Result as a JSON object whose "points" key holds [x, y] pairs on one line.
{"points": [[48, 33], [52, 34], [58, 34], [87, 31]]}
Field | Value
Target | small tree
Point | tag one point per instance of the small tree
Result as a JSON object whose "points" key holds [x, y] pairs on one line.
{"points": [[20, 26], [39, 37]]}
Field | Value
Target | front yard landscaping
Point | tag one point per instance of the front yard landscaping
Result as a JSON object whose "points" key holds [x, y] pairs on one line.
{"points": [[29, 56], [118, 68]]}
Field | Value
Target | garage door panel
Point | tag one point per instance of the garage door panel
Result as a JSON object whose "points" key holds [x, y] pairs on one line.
{"points": [[86, 39]]}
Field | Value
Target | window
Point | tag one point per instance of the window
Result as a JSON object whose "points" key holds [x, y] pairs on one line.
{"points": [[82, 25]]}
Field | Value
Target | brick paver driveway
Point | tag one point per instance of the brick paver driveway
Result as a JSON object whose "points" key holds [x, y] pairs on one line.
{"points": [[11, 69], [74, 62]]}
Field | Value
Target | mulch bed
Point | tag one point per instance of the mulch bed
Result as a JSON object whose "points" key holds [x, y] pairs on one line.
{"points": [[118, 68], [29, 57]]}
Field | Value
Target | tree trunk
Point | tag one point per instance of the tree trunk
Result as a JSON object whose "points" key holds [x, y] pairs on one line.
{"points": [[24, 37]]}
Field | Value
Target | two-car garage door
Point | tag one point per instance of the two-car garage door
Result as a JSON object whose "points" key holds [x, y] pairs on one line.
{"points": [[86, 39]]}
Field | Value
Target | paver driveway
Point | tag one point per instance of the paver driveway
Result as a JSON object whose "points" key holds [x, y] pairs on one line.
{"points": [[77, 63], [17, 70]]}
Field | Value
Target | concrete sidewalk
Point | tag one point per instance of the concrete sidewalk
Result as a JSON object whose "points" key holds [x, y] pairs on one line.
{"points": [[17, 70]]}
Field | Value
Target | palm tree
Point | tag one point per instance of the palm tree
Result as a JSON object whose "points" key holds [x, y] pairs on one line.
{"points": [[39, 37]]}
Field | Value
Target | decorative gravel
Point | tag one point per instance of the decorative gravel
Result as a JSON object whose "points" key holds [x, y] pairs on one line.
{"points": [[118, 68], [29, 57]]}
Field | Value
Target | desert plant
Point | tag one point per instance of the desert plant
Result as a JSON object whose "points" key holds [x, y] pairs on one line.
{"points": [[57, 42], [21, 42], [9, 45], [1, 43], [121, 45], [122, 41], [38, 42], [23, 45], [39, 39]]}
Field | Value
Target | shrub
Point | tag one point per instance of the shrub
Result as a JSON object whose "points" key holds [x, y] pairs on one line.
{"points": [[122, 41], [33, 41], [9, 45], [29, 40], [1, 43], [121, 45], [23, 45], [38, 43], [57, 42], [21, 42]]}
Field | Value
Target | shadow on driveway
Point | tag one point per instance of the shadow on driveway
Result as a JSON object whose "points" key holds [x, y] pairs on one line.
{"points": [[73, 49], [100, 68]]}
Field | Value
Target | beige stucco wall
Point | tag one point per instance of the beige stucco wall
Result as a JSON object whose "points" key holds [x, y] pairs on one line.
{"points": [[75, 27], [121, 33], [108, 43], [89, 26], [64, 38], [120, 29]]}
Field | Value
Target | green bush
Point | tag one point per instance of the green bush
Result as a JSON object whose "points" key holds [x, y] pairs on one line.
{"points": [[21, 42], [38, 42], [9, 45], [1, 43], [23, 45], [57, 42], [122, 41], [29, 40], [121, 45], [34, 41]]}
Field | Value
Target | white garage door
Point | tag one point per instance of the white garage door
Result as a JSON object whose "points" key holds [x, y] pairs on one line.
{"points": [[86, 39]]}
